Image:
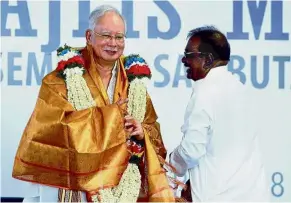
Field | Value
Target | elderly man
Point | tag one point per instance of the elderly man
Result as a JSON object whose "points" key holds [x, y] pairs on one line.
{"points": [[73, 150], [220, 147]]}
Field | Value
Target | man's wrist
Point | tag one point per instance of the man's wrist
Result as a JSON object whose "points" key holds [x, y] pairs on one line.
{"points": [[140, 137]]}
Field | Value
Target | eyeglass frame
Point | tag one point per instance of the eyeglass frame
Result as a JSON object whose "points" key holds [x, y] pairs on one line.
{"points": [[198, 54], [110, 37]]}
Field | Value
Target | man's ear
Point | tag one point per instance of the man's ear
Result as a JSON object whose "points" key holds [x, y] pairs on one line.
{"points": [[88, 34], [209, 60]]}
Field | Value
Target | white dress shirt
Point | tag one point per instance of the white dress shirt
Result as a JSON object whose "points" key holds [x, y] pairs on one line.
{"points": [[220, 148]]}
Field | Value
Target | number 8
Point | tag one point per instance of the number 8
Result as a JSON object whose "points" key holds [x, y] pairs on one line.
{"points": [[277, 184]]}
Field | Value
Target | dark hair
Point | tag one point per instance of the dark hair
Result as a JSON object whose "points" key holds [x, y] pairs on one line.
{"points": [[212, 41]]}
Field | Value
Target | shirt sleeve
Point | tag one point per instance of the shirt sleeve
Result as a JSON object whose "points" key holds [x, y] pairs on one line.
{"points": [[194, 142]]}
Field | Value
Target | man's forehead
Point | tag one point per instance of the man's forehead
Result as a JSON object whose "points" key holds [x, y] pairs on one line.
{"points": [[111, 22], [195, 39], [193, 43], [107, 28]]}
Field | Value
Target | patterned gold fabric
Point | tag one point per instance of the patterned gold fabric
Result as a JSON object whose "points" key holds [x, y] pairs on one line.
{"points": [[65, 195], [86, 150]]}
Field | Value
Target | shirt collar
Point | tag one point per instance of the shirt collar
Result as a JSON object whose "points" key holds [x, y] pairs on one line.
{"points": [[216, 72], [114, 70], [213, 75]]}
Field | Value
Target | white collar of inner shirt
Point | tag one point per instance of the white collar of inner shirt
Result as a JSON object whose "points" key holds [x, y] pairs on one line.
{"points": [[114, 70], [112, 82]]}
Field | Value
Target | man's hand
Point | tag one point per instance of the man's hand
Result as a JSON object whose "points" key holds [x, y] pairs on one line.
{"points": [[133, 127], [121, 103]]}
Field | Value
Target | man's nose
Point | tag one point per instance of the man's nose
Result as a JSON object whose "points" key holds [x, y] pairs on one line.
{"points": [[112, 41]]}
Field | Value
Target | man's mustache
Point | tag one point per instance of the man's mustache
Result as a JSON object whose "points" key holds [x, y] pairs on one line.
{"points": [[110, 49]]}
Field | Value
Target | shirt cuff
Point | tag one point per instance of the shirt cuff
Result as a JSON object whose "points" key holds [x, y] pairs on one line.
{"points": [[178, 163]]}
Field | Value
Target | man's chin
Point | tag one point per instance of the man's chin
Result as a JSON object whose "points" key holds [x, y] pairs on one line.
{"points": [[190, 77]]}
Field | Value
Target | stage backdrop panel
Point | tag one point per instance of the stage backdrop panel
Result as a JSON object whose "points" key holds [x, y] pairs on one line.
{"points": [[258, 31]]}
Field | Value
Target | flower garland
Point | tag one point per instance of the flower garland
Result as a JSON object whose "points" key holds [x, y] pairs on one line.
{"points": [[129, 185], [128, 189], [138, 73], [71, 68]]}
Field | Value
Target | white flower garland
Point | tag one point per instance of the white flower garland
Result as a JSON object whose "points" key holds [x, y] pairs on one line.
{"points": [[80, 97], [129, 186], [126, 191], [78, 92], [137, 98]]}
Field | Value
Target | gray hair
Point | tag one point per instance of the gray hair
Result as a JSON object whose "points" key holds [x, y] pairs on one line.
{"points": [[99, 11]]}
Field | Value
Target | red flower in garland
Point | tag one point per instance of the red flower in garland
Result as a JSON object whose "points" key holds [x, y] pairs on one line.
{"points": [[139, 70], [61, 65], [76, 59], [134, 148]]}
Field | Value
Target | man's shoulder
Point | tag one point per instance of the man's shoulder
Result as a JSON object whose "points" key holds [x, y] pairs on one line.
{"points": [[64, 53], [53, 83], [203, 87], [52, 78]]}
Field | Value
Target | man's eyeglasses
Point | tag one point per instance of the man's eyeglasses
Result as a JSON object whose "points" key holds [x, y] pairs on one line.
{"points": [[119, 38], [192, 55]]}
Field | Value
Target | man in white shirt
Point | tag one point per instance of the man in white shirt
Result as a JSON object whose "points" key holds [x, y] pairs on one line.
{"points": [[220, 148]]}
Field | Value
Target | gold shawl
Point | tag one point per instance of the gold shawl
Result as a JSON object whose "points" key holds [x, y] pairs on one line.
{"points": [[86, 150]]}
